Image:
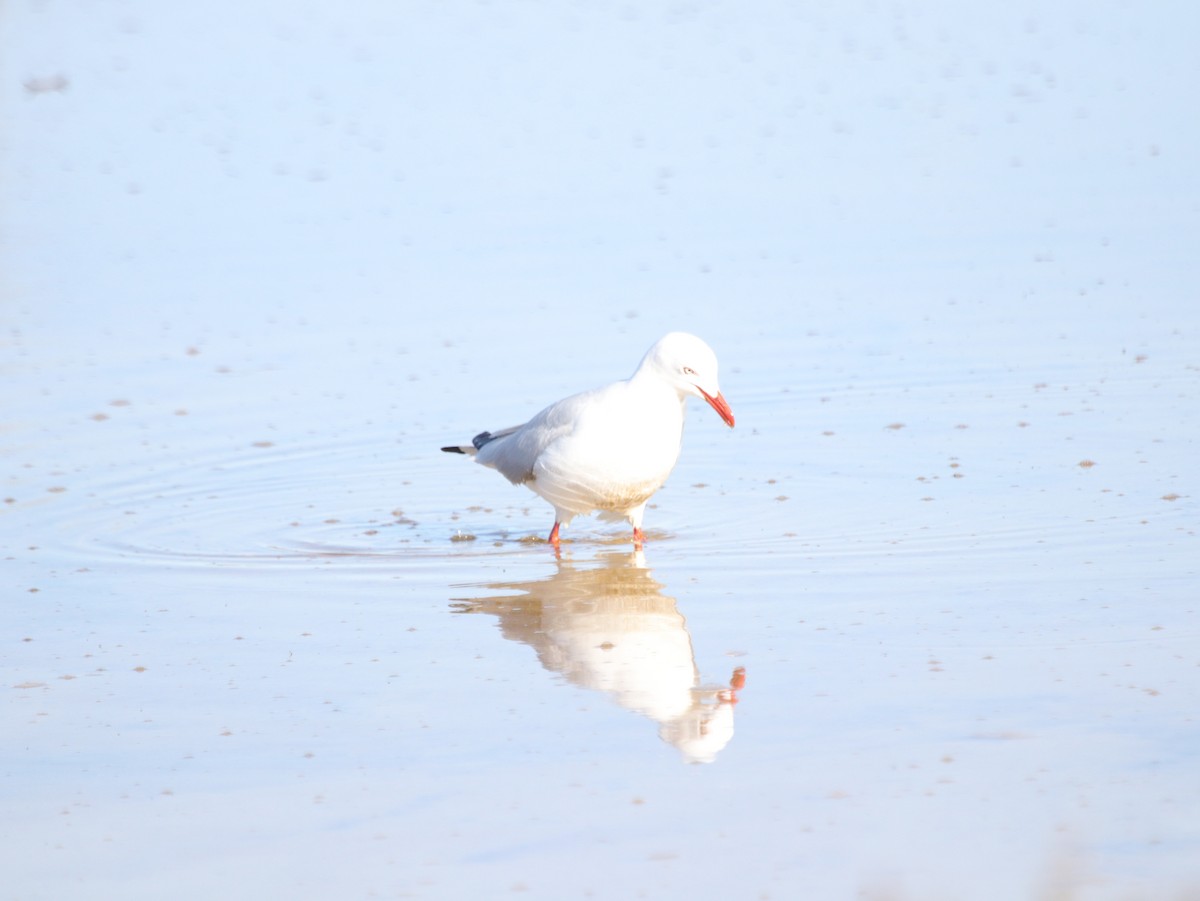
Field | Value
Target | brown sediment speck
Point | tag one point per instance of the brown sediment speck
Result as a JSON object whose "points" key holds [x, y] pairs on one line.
{"points": [[1086, 464], [1003, 735], [47, 84]]}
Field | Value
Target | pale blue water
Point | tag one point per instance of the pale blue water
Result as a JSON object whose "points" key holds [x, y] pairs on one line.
{"points": [[263, 640]]}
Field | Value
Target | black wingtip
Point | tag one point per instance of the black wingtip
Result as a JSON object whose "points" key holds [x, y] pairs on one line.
{"points": [[481, 439], [454, 450]]}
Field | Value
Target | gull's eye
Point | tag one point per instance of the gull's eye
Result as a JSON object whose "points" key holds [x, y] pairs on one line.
{"points": [[688, 370]]}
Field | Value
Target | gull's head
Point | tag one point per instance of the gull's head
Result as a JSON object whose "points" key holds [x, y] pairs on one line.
{"points": [[690, 366]]}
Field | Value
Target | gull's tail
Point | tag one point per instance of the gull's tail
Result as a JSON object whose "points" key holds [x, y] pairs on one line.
{"points": [[478, 441]]}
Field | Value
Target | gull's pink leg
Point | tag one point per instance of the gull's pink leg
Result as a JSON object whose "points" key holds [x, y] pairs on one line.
{"points": [[639, 537], [553, 539]]}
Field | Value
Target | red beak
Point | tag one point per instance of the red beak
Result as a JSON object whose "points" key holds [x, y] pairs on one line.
{"points": [[719, 404]]}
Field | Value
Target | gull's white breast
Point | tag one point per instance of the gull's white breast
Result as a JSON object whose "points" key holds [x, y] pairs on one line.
{"points": [[623, 446]]}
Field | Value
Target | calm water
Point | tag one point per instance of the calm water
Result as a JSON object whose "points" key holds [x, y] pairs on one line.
{"points": [[924, 625]]}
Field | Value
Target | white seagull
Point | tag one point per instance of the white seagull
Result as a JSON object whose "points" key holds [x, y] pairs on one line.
{"points": [[611, 448]]}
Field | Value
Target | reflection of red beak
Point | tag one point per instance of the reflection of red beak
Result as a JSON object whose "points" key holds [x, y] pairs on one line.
{"points": [[736, 683], [718, 403]]}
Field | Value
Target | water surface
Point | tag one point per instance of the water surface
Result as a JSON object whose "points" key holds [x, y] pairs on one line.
{"points": [[923, 625]]}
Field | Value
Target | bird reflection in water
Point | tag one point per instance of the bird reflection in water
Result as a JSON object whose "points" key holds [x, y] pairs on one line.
{"points": [[610, 628]]}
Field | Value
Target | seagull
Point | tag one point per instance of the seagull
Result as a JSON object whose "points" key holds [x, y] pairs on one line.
{"points": [[611, 448]]}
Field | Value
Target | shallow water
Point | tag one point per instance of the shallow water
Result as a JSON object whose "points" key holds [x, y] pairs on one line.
{"points": [[924, 625]]}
